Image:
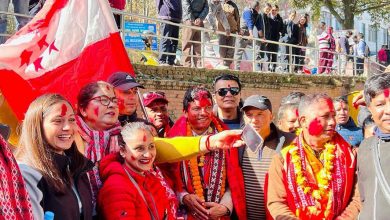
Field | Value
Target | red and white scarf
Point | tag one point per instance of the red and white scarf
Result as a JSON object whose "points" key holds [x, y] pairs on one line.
{"points": [[14, 198], [98, 145]]}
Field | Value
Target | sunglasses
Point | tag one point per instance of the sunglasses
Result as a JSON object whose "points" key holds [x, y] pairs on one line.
{"points": [[105, 100], [223, 91]]}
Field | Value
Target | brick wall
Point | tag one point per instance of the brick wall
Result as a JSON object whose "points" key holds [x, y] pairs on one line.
{"points": [[174, 82]]}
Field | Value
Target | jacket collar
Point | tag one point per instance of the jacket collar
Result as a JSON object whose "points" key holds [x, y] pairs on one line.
{"points": [[127, 118], [350, 124]]}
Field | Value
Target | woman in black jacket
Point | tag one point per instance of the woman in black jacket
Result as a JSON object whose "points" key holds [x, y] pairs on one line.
{"points": [[51, 165]]}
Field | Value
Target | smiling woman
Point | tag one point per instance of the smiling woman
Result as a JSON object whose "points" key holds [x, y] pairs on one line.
{"points": [[98, 125], [133, 187], [51, 165]]}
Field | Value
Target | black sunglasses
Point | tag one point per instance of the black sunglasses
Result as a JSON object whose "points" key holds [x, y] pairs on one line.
{"points": [[223, 91]]}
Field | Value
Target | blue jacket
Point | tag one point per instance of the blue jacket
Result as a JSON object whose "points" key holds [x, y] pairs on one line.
{"points": [[170, 10], [351, 133], [250, 19]]}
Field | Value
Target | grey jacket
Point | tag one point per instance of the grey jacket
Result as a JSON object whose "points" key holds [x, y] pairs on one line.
{"points": [[374, 204], [193, 9], [216, 14]]}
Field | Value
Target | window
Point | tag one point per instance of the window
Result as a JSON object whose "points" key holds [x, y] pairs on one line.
{"points": [[338, 26], [372, 33], [364, 29]]}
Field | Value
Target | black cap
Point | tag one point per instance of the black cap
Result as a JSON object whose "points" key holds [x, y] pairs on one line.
{"points": [[257, 101], [5, 131], [123, 81]]}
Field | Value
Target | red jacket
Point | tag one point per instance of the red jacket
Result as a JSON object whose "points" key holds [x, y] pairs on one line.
{"points": [[119, 199], [382, 55], [118, 4]]}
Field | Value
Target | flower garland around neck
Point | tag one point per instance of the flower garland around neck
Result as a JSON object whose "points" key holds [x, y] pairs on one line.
{"points": [[194, 165], [324, 180]]}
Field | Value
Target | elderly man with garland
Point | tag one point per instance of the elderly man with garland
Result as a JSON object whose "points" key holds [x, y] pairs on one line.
{"points": [[314, 177], [202, 186], [374, 152]]}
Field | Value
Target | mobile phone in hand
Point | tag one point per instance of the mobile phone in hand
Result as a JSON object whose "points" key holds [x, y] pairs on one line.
{"points": [[251, 138]]}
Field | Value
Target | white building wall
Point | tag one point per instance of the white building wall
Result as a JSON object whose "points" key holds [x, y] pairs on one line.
{"points": [[375, 38]]}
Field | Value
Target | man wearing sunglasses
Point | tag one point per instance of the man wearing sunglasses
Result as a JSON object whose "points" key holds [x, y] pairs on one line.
{"points": [[227, 96], [126, 88], [156, 105]]}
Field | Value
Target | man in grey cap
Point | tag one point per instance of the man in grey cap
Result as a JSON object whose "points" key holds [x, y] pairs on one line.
{"points": [[126, 88], [257, 111]]}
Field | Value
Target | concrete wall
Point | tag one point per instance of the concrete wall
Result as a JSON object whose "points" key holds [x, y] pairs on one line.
{"points": [[175, 80]]}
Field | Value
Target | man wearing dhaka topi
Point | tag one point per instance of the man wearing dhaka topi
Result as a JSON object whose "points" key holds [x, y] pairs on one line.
{"points": [[314, 177]]}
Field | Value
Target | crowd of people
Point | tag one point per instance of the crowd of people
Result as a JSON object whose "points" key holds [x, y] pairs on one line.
{"points": [[103, 160], [255, 21]]}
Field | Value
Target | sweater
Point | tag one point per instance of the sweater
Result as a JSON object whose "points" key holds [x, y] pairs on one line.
{"points": [[374, 204], [120, 199], [243, 167]]}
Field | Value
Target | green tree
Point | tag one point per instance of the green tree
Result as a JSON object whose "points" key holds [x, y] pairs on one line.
{"points": [[345, 10]]}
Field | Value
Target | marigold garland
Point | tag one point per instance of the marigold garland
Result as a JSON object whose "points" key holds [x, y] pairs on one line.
{"points": [[194, 166], [323, 182]]}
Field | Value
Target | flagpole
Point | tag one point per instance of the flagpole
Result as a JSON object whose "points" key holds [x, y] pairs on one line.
{"points": [[142, 105]]}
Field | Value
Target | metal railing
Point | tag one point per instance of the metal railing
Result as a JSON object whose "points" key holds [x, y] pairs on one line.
{"points": [[289, 58]]}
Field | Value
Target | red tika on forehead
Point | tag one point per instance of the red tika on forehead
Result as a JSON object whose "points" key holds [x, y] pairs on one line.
{"points": [[386, 92], [108, 87], [330, 103], [202, 97], [228, 85], [144, 138], [203, 102], [64, 109], [315, 127], [296, 112]]}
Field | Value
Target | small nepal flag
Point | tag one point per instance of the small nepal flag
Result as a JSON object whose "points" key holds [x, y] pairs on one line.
{"points": [[68, 44]]}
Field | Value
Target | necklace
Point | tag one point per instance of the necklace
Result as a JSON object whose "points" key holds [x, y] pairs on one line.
{"points": [[195, 165], [323, 189]]}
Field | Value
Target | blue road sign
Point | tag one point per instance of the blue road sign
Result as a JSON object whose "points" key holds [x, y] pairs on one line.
{"points": [[134, 41]]}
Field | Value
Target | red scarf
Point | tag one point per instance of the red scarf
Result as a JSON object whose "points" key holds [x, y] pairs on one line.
{"points": [[341, 184], [14, 199], [98, 145]]}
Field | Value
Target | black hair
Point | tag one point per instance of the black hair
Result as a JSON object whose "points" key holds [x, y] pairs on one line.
{"points": [[375, 85], [192, 94], [227, 77]]}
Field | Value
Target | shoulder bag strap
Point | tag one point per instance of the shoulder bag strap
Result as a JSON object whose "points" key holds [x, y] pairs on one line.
{"points": [[142, 195]]}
